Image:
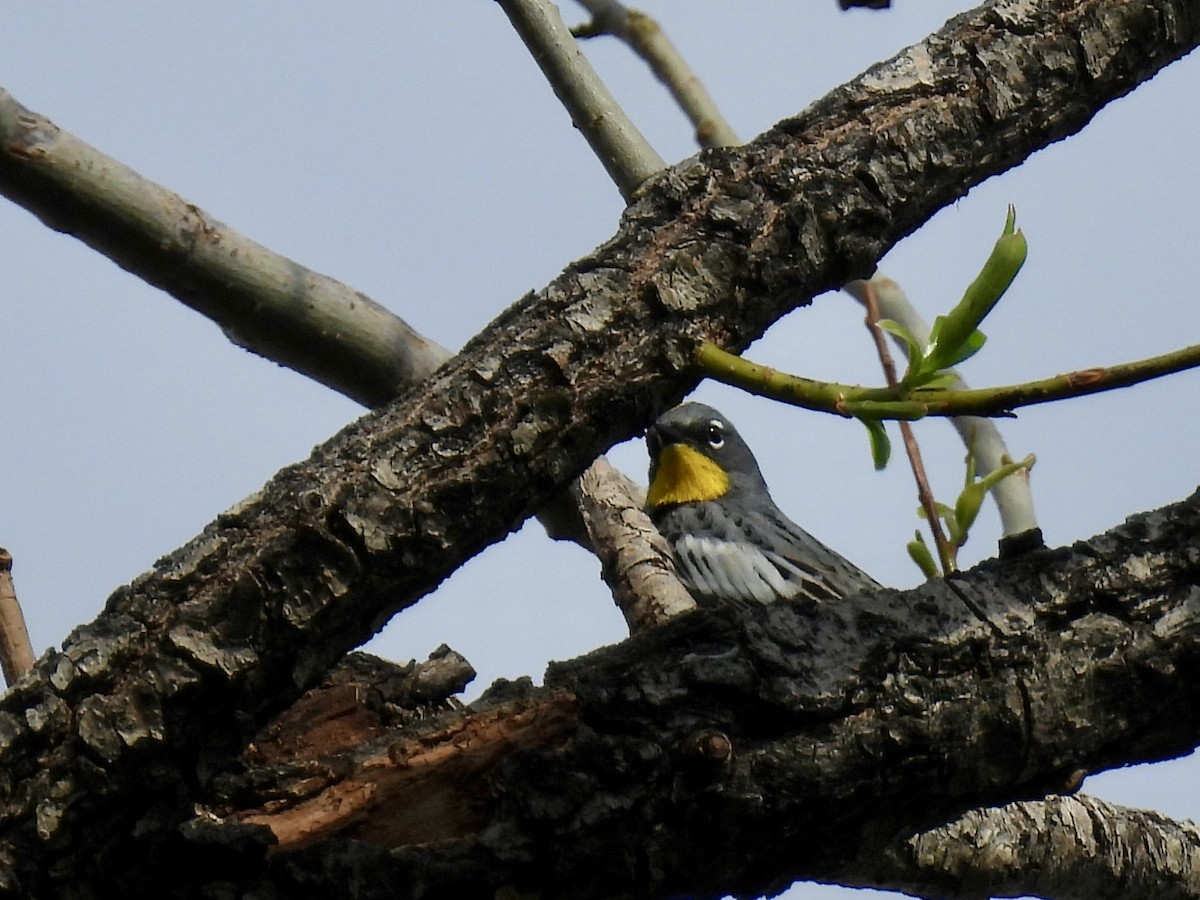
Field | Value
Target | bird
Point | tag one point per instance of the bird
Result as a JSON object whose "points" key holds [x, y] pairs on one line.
{"points": [[732, 544]]}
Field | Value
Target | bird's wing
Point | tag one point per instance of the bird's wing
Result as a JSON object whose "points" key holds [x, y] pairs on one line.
{"points": [[818, 572], [731, 570], [759, 557]]}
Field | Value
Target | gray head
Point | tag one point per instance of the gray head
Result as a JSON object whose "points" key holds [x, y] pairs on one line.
{"points": [[683, 477]]}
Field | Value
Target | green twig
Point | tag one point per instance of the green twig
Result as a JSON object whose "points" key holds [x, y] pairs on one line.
{"points": [[898, 403], [911, 447], [1013, 496]]}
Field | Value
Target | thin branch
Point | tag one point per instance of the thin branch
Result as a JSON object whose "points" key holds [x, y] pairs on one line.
{"points": [[263, 302], [647, 39], [895, 403], [1012, 495], [911, 448], [625, 154], [16, 651], [635, 560]]}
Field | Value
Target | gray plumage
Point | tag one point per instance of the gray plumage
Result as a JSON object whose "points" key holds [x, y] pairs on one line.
{"points": [[741, 548]]}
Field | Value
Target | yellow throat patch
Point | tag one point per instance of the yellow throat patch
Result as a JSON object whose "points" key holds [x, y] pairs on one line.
{"points": [[685, 475]]}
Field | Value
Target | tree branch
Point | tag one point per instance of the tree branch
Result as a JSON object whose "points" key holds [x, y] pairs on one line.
{"points": [[625, 154], [1067, 848], [635, 559], [792, 742], [16, 652], [262, 301], [112, 736], [905, 404], [912, 449], [650, 42]]}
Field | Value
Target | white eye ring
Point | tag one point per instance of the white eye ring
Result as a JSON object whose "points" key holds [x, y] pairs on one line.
{"points": [[716, 434]]}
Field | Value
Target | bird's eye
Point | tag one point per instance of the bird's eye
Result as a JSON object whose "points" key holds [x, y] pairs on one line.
{"points": [[716, 434]]}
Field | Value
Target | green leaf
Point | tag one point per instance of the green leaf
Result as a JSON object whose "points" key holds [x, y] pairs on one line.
{"points": [[954, 334], [937, 381], [918, 551], [941, 510], [936, 329], [912, 347], [966, 509], [968, 348], [992, 478], [881, 444]]}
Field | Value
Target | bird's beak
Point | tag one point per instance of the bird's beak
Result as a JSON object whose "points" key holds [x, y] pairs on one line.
{"points": [[659, 436], [654, 440]]}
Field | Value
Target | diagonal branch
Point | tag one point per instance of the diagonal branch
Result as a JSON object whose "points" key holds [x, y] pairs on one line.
{"points": [[625, 154], [647, 39], [263, 302], [186, 662]]}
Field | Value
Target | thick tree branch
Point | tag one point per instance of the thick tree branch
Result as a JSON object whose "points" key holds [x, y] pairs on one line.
{"points": [[112, 735], [797, 743]]}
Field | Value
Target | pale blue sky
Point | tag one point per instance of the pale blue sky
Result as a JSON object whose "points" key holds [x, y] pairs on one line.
{"points": [[414, 151]]}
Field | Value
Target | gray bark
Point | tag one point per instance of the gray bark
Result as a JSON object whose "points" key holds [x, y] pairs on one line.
{"points": [[107, 746]]}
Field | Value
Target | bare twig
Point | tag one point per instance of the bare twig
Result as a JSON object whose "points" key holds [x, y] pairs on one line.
{"points": [[644, 36], [1012, 495], [911, 447], [625, 154], [16, 651]]}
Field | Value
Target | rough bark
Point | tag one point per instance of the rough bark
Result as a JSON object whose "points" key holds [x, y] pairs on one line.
{"points": [[106, 746], [1069, 848], [726, 754]]}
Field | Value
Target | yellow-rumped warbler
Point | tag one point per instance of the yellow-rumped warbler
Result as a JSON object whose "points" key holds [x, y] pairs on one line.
{"points": [[731, 542]]}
